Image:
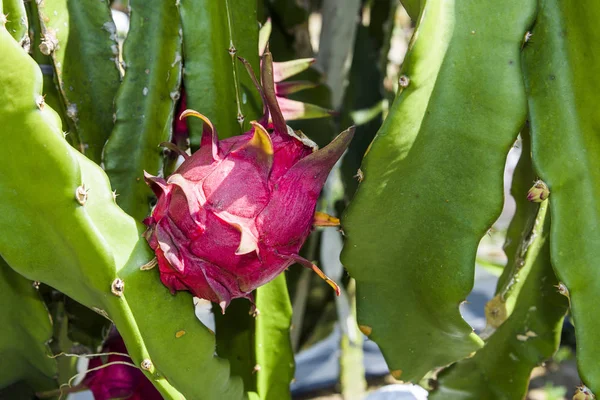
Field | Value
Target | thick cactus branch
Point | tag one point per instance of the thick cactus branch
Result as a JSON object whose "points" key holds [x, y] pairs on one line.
{"points": [[214, 34], [17, 23], [274, 355], [531, 334], [561, 75], [461, 106], [80, 37], [62, 209], [26, 330], [145, 102]]}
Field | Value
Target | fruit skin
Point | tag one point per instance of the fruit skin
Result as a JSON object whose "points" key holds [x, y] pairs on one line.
{"points": [[116, 377], [235, 214]]}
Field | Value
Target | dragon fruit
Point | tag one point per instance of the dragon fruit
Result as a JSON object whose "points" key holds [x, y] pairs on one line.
{"points": [[116, 377], [235, 214]]}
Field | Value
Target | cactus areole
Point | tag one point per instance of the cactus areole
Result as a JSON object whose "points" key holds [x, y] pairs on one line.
{"points": [[235, 214]]}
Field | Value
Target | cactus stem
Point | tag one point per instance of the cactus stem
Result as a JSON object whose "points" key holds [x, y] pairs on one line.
{"points": [[117, 287]]}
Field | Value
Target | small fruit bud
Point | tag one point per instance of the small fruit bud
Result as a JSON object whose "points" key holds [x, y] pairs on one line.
{"points": [[538, 192]]}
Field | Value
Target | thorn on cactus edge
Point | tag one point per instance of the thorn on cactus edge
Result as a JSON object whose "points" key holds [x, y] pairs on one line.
{"points": [[81, 194], [562, 289], [254, 311], [117, 287], [359, 175], [40, 102], [582, 392], [49, 44], [404, 81], [147, 365]]}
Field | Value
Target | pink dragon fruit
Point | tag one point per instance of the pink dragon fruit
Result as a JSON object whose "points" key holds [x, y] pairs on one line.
{"points": [[115, 379], [235, 214]]}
